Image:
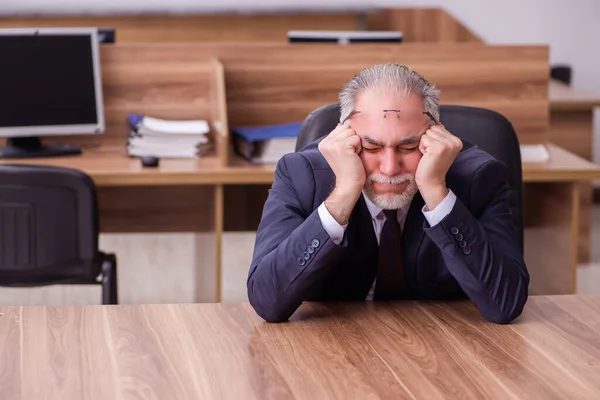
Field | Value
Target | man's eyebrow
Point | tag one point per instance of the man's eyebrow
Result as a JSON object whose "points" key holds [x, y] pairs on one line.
{"points": [[406, 141]]}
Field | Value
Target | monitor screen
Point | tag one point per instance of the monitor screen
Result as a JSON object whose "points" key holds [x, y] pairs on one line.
{"points": [[345, 37], [50, 82]]}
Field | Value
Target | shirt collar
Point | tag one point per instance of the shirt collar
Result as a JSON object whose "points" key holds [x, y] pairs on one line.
{"points": [[375, 211]]}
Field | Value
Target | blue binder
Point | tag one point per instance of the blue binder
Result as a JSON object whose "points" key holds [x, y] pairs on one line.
{"points": [[260, 133], [247, 140]]}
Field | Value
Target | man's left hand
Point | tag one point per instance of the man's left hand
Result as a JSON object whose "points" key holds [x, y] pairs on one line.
{"points": [[439, 148]]}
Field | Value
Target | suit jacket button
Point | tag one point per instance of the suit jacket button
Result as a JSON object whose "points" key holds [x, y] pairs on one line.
{"points": [[301, 261], [454, 230], [467, 251], [463, 244], [310, 249], [315, 243], [459, 236], [306, 255]]}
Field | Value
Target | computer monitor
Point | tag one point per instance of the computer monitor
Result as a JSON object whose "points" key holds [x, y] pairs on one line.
{"points": [[345, 37], [50, 85]]}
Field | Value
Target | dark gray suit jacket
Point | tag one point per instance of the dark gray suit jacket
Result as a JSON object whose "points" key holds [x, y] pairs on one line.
{"points": [[472, 252]]}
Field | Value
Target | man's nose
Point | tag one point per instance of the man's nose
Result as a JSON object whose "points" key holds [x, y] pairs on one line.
{"points": [[391, 162]]}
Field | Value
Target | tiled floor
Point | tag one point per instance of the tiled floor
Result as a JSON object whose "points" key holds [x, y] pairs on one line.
{"points": [[158, 268]]}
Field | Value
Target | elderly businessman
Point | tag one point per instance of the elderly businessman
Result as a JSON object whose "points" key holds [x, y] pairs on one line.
{"points": [[388, 206]]}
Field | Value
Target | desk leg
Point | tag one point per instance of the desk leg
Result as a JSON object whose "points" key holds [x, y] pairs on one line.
{"points": [[208, 254], [585, 221], [573, 130], [551, 236]]}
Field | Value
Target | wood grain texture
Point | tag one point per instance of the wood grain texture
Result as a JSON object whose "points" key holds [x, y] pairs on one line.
{"points": [[551, 236], [562, 166], [572, 128], [369, 350], [109, 165], [417, 25], [565, 97], [423, 25], [268, 83], [266, 27], [218, 112]]}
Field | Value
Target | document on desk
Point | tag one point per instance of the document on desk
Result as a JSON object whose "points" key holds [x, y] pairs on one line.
{"points": [[534, 153], [167, 138]]}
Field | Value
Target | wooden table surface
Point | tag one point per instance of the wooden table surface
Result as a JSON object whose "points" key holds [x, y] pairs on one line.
{"points": [[360, 350], [109, 165], [565, 97]]}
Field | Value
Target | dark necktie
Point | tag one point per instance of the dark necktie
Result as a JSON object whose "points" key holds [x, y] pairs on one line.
{"points": [[390, 274]]}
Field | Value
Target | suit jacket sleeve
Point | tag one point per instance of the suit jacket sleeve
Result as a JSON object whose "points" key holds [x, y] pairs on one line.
{"points": [[480, 248], [292, 252]]}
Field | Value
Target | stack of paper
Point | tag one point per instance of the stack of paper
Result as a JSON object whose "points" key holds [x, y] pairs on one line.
{"points": [[167, 139], [534, 153]]}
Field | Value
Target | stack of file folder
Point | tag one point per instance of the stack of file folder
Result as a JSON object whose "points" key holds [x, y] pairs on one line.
{"points": [[166, 138], [265, 144]]}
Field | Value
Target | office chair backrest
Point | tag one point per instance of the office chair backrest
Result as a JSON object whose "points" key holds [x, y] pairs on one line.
{"points": [[48, 223], [487, 129]]}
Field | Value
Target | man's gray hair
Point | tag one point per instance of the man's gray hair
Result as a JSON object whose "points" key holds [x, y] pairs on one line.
{"points": [[389, 78]]}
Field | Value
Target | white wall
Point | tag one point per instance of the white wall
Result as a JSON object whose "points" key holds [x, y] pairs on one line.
{"points": [[570, 28]]}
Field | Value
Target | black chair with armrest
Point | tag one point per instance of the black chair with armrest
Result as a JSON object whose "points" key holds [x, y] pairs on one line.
{"points": [[487, 129], [49, 230]]}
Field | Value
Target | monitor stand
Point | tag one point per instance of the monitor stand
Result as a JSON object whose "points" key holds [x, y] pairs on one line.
{"points": [[31, 147]]}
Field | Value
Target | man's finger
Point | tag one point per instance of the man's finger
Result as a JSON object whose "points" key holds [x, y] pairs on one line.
{"points": [[442, 131], [440, 137], [355, 143], [425, 143], [339, 132], [344, 133], [446, 139]]}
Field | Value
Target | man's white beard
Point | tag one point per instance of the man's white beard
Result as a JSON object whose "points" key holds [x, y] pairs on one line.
{"points": [[391, 201]]}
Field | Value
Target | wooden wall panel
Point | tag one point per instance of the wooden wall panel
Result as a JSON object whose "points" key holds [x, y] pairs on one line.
{"points": [[156, 208], [278, 83], [421, 25], [417, 25], [197, 28], [551, 271]]}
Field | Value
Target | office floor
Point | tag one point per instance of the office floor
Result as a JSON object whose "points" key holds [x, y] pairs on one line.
{"points": [[158, 268]]}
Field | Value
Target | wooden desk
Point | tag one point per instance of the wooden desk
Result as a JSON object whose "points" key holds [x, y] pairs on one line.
{"points": [[572, 127], [361, 350], [189, 195]]}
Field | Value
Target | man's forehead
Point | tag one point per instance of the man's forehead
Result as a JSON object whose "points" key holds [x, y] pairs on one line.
{"points": [[414, 118]]}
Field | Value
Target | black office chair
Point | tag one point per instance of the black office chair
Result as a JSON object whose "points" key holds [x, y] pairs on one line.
{"points": [[487, 129], [49, 230]]}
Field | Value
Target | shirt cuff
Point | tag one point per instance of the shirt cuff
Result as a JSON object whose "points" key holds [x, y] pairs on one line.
{"points": [[437, 214], [331, 226]]}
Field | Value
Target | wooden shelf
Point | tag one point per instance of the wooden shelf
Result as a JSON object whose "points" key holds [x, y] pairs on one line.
{"points": [[563, 166], [564, 97]]}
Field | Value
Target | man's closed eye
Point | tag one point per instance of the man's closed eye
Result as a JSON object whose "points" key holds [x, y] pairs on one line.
{"points": [[407, 150], [372, 149]]}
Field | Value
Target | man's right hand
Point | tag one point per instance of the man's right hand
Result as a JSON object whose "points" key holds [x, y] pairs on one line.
{"points": [[341, 149]]}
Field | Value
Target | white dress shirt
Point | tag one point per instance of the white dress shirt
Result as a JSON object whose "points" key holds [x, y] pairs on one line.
{"points": [[336, 231]]}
